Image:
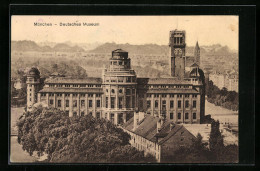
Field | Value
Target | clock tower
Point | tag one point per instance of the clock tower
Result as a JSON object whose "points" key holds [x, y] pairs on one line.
{"points": [[177, 53]]}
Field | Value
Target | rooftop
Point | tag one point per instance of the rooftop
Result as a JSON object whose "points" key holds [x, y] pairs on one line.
{"points": [[147, 129]]}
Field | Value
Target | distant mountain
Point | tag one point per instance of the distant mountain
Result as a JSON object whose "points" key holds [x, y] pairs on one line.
{"points": [[135, 49], [154, 49], [160, 49], [26, 45], [62, 47]]}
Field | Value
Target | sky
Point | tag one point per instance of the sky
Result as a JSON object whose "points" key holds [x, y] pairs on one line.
{"points": [[207, 30]]}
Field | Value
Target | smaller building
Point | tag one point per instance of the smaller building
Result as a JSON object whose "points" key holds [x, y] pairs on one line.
{"points": [[228, 80], [157, 136]]}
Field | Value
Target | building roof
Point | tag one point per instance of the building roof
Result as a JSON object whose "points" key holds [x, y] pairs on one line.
{"points": [[194, 65], [56, 74], [33, 71], [159, 81], [88, 80], [70, 90], [147, 129], [120, 51]]}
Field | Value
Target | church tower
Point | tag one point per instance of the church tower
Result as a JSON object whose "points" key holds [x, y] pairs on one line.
{"points": [[177, 53], [197, 54], [33, 85]]}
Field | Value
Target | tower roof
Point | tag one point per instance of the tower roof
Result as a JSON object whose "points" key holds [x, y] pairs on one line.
{"points": [[120, 51], [197, 45], [33, 72], [119, 54]]}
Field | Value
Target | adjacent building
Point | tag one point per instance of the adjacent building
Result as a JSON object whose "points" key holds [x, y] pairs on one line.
{"points": [[157, 136], [228, 80]]}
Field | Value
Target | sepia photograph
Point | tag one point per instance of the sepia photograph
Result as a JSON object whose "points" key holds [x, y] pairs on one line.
{"points": [[124, 89]]}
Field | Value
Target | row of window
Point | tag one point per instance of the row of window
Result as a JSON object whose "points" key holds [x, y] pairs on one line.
{"points": [[74, 85], [172, 95], [170, 86], [128, 91], [74, 103], [120, 102], [67, 95], [82, 113], [156, 104], [186, 116], [121, 79], [119, 63]]}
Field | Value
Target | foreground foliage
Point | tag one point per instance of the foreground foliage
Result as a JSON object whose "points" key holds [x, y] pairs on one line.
{"points": [[75, 139], [200, 153]]}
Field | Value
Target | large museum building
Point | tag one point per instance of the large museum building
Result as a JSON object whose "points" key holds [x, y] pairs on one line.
{"points": [[119, 93]]}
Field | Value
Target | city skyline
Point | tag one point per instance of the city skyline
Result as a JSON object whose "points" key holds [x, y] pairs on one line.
{"points": [[138, 30]]}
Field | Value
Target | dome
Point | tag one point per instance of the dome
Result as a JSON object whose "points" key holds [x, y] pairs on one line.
{"points": [[119, 54], [33, 72]]}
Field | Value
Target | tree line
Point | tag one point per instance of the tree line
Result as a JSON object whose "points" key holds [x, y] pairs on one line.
{"points": [[222, 97], [202, 152]]}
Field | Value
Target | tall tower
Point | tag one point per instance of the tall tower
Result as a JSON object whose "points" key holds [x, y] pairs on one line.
{"points": [[33, 85], [177, 53], [197, 54], [119, 86]]}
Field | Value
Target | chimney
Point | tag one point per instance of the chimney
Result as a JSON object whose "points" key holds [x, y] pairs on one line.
{"points": [[159, 125], [141, 116], [172, 126], [136, 119]]}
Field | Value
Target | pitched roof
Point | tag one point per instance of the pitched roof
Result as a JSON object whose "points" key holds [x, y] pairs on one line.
{"points": [[71, 90], [88, 80], [148, 129], [194, 65]]}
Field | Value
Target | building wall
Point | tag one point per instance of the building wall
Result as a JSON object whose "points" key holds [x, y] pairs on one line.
{"points": [[74, 103], [142, 144], [221, 80], [182, 138], [120, 111]]}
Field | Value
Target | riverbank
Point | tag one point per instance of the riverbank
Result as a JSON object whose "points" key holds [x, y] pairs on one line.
{"points": [[222, 114]]}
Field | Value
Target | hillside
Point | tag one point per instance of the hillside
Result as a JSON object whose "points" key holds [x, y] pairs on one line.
{"points": [[137, 49], [161, 49], [27, 45]]}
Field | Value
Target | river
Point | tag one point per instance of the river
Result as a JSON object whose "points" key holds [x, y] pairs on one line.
{"points": [[221, 114]]}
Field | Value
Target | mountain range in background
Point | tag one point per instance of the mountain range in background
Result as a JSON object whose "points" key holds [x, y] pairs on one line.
{"points": [[27, 45]]}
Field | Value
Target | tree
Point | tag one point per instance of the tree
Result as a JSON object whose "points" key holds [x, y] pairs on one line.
{"points": [[216, 142], [75, 139]]}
